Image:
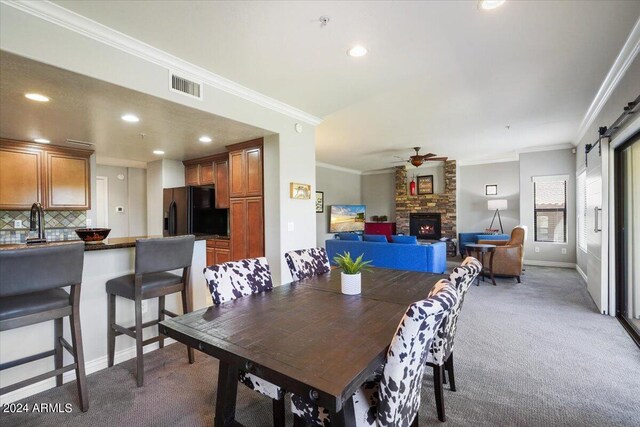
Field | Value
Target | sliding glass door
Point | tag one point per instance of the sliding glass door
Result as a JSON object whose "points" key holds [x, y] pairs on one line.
{"points": [[627, 185]]}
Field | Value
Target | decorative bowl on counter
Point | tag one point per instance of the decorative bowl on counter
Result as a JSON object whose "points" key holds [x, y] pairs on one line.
{"points": [[92, 235]]}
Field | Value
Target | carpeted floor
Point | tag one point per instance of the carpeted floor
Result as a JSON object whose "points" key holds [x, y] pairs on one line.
{"points": [[530, 354]]}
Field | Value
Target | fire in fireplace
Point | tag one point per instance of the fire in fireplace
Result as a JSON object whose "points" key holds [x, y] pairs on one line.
{"points": [[425, 226]]}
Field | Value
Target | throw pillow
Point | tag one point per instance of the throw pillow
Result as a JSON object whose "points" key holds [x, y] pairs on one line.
{"points": [[411, 240], [375, 238], [348, 236]]}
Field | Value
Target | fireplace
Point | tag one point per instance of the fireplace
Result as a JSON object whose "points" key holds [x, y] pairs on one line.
{"points": [[425, 225]]}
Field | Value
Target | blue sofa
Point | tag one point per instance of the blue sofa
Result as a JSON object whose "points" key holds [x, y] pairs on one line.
{"points": [[465, 238], [413, 257]]}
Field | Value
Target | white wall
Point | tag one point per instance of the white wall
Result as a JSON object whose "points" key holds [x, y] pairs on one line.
{"points": [[379, 194], [154, 198], [340, 188], [130, 193], [473, 214], [556, 162]]}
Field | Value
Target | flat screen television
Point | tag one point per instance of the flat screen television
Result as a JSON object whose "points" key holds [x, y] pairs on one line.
{"points": [[345, 218]]}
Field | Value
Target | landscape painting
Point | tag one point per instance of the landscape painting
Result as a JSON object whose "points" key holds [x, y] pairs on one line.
{"points": [[347, 218]]}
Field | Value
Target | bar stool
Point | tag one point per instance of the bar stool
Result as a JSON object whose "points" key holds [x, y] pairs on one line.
{"points": [[154, 259], [31, 282]]}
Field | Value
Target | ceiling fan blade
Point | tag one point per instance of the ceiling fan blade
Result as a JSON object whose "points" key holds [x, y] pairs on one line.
{"points": [[426, 156], [437, 159], [399, 161]]}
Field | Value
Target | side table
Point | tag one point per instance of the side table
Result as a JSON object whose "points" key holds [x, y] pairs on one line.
{"points": [[480, 250]]}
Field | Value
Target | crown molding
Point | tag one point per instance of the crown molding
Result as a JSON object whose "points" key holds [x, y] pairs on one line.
{"points": [[125, 163], [510, 158], [84, 26], [338, 168], [626, 56], [380, 171], [564, 146]]}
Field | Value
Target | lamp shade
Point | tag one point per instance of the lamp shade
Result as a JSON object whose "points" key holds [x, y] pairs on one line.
{"points": [[499, 204]]}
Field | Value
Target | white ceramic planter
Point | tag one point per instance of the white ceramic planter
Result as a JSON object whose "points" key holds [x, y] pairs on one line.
{"points": [[351, 283]]}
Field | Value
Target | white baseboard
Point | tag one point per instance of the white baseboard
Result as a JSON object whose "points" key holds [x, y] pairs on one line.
{"points": [[581, 273], [549, 263], [91, 366]]}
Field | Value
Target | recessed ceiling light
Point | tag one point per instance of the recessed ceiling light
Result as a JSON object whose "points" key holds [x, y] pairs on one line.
{"points": [[130, 118], [37, 97], [490, 4], [205, 138], [42, 140], [158, 152], [357, 51]]}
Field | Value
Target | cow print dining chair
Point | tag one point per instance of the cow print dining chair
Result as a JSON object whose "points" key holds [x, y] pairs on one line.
{"points": [[392, 397], [231, 280], [440, 355], [305, 263]]}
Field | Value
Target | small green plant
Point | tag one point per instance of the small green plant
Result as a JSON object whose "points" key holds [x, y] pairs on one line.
{"points": [[348, 265]]}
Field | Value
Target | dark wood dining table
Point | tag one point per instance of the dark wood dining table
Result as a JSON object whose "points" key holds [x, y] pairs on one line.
{"points": [[306, 337]]}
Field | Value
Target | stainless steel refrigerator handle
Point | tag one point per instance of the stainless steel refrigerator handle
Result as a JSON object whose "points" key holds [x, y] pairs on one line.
{"points": [[173, 218], [595, 225]]}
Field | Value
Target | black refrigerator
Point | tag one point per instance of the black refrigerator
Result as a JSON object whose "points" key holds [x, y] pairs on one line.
{"points": [[191, 210]]}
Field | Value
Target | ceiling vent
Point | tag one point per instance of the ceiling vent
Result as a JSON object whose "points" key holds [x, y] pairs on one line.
{"points": [[81, 143], [185, 86]]}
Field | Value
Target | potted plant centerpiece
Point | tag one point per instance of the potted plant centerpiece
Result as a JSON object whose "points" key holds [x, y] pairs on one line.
{"points": [[350, 276]]}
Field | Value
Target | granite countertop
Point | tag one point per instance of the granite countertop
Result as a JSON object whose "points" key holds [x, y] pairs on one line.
{"points": [[109, 243]]}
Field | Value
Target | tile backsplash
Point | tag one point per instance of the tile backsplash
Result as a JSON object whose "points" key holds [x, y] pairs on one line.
{"points": [[59, 225]]}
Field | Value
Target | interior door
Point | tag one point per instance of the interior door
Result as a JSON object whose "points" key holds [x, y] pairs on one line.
{"points": [[597, 234]]}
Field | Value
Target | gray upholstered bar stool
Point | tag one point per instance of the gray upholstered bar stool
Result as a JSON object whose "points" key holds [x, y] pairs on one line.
{"points": [[31, 282], [154, 259]]}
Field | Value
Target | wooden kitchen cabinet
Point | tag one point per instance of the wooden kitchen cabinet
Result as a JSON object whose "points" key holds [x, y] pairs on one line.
{"points": [[192, 175], [247, 228], [20, 178], [67, 181], [57, 177], [245, 169], [222, 184], [218, 251], [205, 174]]}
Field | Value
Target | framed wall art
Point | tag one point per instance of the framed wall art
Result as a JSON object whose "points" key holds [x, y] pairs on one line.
{"points": [[491, 190], [319, 201], [300, 191], [425, 184]]}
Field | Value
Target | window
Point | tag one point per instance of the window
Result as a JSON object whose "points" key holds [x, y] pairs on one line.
{"points": [[581, 207], [550, 209]]}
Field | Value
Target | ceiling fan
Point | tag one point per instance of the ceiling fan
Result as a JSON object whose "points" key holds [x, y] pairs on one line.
{"points": [[418, 159]]}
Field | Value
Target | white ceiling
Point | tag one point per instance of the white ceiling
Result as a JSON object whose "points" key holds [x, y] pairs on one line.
{"points": [[89, 110], [442, 75]]}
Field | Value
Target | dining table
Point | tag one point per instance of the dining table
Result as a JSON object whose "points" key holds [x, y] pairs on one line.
{"points": [[306, 336]]}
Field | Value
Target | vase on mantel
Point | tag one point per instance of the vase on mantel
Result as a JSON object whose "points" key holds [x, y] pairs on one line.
{"points": [[412, 187], [351, 284]]}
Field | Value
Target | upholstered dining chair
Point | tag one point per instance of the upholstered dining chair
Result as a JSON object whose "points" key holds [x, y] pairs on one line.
{"points": [[305, 263], [440, 355], [392, 398], [231, 280], [508, 258]]}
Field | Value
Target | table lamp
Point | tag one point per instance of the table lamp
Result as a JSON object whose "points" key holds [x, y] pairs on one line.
{"points": [[497, 205]]}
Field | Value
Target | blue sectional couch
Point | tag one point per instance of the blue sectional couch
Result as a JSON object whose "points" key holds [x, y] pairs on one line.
{"points": [[402, 256], [466, 238]]}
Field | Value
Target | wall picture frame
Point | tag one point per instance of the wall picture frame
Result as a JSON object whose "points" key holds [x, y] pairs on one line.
{"points": [[300, 191], [425, 184], [491, 190], [319, 201]]}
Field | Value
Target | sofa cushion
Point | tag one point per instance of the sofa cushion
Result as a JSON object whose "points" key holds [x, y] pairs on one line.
{"points": [[412, 240], [375, 238], [348, 236]]}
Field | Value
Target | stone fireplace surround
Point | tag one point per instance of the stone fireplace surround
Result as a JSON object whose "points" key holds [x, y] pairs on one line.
{"points": [[443, 203]]}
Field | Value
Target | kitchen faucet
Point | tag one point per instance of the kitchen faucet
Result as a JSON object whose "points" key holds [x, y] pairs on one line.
{"points": [[36, 223]]}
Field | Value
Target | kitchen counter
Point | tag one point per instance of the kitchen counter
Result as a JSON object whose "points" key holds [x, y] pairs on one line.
{"points": [[109, 243]]}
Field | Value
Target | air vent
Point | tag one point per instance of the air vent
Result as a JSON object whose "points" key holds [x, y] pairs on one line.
{"points": [[81, 143], [185, 86]]}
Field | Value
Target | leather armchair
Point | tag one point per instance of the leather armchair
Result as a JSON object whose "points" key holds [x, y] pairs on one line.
{"points": [[509, 255]]}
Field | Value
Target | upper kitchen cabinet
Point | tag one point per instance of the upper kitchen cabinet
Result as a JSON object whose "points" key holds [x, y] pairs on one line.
{"points": [[57, 177], [245, 169], [210, 170], [20, 177]]}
